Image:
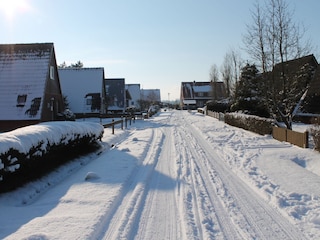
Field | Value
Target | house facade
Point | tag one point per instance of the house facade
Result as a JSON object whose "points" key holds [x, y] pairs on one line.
{"points": [[134, 91], [115, 94], [83, 89], [30, 89], [195, 94]]}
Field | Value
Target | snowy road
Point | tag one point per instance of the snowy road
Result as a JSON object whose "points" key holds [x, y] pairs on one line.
{"points": [[185, 186], [166, 178]]}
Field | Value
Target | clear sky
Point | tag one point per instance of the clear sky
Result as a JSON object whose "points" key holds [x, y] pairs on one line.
{"points": [[157, 43]]}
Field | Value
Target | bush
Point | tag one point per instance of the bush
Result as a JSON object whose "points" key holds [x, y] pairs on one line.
{"points": [[315, 133], [251, 123], [30, 152]]}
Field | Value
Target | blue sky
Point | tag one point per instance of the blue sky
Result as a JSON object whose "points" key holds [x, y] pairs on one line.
{"points": [[158, 44]]}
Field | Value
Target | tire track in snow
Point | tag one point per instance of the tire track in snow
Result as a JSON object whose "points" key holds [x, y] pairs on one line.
{"points": [[213, 220], [160, 217], [121, 221], [256, 217]]}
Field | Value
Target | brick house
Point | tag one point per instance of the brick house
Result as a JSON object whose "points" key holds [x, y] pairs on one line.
{"points": [[30, 89], [195, 94]]}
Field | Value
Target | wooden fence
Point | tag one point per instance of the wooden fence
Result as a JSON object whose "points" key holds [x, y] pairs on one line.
{"points": [[122, 121], [286, 135], [217, 115], [280, 134]]}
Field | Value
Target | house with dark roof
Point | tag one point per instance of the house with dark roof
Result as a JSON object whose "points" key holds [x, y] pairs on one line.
{"points": [[195, 94], [299, 71], [295, 77], [29, 85]]}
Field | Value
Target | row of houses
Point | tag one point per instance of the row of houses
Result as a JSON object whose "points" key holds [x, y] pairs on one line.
{"points": [[304, 72], [33, 89]]}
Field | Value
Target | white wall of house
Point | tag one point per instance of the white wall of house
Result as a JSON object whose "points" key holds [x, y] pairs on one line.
{"points": [[134, 90], [76, 83]]}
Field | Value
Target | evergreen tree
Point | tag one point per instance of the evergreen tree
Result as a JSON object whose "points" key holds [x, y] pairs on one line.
{"points": [[248, 97]]}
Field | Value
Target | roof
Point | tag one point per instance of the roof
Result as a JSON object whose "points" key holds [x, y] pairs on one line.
{"points": [[23, 72], [302, 68], [189, 90]]}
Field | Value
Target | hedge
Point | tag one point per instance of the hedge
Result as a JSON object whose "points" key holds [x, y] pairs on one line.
{"points": [[252, 123], [29, 152]]}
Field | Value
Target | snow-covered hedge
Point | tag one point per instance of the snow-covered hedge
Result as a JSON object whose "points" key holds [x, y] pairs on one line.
{"points": [[38, 148], [249, 122]]}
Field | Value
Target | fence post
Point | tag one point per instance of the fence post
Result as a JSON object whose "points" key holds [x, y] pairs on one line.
{"points": [[112, 126], [121, 123], [126, 122]]}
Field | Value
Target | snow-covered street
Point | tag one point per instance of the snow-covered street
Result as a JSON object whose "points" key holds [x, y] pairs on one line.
{"points": [[178, 175]]}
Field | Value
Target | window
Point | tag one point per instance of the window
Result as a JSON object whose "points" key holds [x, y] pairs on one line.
{"points": [[89, 101], [21, 100], [51, 72]]}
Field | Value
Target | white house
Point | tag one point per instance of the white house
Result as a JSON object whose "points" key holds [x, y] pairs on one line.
{"points": [[134, 91], [83, 88]]}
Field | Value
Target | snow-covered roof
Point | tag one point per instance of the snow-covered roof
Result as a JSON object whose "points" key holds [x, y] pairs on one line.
{"points": [[76, 83], [23, 72]]}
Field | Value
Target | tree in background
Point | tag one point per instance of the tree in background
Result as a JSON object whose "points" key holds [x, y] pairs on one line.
{"points": [[226, 71], [214, 77], [230, 70], [248, 97], [78, 64]]}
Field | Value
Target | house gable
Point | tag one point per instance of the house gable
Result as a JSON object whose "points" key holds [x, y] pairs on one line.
{"points": [[23, 74], [134, 90], [115, 93], [82, 87]]}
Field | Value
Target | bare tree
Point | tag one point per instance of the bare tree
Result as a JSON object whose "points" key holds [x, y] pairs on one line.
{"points": [[255, 40], [274, 38], [214, 77], [236, 65], [230, 71]]}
